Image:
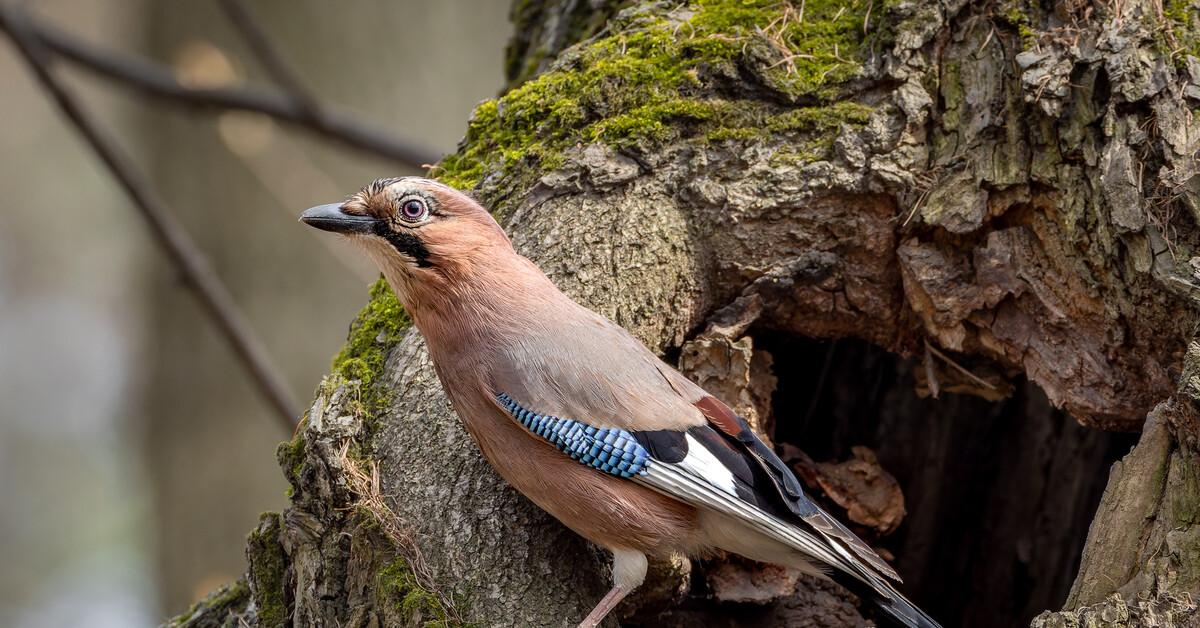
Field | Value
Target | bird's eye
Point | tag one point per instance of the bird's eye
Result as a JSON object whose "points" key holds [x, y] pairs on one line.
{"points": [[413, 210]]}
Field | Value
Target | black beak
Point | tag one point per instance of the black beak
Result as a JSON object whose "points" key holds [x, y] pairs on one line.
{"points": [[331, 218]]}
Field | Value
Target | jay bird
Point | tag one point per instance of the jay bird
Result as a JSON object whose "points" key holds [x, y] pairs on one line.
{"points": [[582, 418]]}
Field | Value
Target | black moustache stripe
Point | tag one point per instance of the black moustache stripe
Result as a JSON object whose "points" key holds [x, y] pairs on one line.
{"points": [[406, 243]]}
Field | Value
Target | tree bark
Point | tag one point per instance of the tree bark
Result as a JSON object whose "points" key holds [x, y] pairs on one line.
{"points": [[1000, 192]]}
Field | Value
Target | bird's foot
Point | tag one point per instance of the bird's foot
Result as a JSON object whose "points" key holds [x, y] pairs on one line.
{"points": [[604, 607]]}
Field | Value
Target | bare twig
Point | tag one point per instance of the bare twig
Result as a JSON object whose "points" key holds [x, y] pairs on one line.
{"points": [[931, 377], [1184, 282], [826, 72], [987, 40], [168, 233], [961, 369], [156, 80], [926, 190], [269, 55]]}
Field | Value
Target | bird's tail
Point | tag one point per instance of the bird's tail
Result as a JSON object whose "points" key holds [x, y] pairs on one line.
{"points": [[882, 595]]}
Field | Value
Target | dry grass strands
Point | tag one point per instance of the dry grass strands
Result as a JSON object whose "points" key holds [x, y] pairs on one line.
{"points": [[365, 487]]}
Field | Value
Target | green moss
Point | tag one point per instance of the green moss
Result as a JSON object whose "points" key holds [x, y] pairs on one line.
{"points": [[1183, 18], [1017, 19], [292, 456], [824, 37], [583, 20], [415, 606], [820, 118], [268, 562], [813, 130], [1020, 16], [648, 120], [215, 608], [399, 585], [645, 83], [378, 327], [733, 133], [952, 93], [398, 594]]}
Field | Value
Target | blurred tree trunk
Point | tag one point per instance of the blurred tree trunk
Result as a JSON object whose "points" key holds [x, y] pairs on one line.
{"points": [[998, 198]]}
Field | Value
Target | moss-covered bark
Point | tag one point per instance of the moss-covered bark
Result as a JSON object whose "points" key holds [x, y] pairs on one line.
{"points": [[220, 609], [1012, 185]]}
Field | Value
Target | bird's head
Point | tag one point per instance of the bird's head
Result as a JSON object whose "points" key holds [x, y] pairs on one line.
{"points": [[424, 235]]}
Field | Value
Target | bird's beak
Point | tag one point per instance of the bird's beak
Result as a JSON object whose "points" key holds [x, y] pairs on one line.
{"points": [[331, 218]]}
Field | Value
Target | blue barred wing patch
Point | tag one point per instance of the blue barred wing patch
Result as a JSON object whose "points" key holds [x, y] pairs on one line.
{"points": [[613, 451]]}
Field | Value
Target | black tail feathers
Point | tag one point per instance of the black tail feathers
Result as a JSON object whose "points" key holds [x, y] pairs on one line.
{"points": [[895, 609]]}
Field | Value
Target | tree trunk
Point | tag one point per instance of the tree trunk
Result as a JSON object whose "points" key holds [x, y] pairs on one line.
{"points": [[994, 199]]}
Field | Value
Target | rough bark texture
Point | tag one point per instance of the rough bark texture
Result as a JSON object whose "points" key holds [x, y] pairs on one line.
{"points": [[1004, 189], [1141, 566]]}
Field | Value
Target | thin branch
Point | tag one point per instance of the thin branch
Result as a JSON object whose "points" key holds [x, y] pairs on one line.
{"points": [[157, 80], [931, 378], [961, 369], [183, 254], [272, 59]]}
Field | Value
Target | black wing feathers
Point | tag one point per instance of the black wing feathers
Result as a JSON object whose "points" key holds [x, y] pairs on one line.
{"points": [[665, 445], [760, 477], [784, 482], [754, 484]]}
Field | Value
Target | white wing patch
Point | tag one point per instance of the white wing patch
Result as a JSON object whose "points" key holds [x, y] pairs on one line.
{"points": [[701, 480], [701, 463], [682, 482]]}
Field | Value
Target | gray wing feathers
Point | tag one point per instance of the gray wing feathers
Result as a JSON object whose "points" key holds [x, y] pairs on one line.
{"points": [[679, 483], [833, 530], [585, 367]]}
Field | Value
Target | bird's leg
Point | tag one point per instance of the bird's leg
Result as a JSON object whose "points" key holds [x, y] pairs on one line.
{"points": [[606, 605], [628, 570]]}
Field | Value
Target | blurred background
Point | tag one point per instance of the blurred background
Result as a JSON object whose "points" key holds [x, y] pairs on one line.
{"points": [[124, 419]]}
